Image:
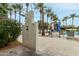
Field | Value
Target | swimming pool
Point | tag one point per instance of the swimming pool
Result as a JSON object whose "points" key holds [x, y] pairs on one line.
{"points": [[76, 33]]}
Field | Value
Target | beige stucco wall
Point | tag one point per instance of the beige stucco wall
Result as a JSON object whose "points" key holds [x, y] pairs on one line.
{"points": [[30, 35]]}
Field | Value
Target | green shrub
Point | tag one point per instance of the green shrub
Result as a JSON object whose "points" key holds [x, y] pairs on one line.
{"points": [[9, 31]]}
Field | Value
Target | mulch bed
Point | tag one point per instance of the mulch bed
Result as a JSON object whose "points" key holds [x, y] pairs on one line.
{"points": [[11, 45]]}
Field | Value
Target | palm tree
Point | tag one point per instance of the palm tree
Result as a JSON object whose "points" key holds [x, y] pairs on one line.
{"points": [[27, 6], [38, 6], [3, 10], [43, 32], [65, 19], [41, 7], [51, 16], [10, 10], [39, 25], [31, 6], [14, 6], [73, 16], [19, 7], [48, 11], [63, 26], [63, 22], [55, 18]]}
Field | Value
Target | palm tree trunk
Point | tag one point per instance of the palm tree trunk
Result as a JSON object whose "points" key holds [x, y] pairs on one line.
{"points": [[40, 16], [31, 6], [27, 9], [40, 22], [63, 24], [47, 22], [10, 15], [66, 24], [72, 23], [15, 15], [43, 32], [63, 28], [19, 18], [72, 27], [47, 19]]}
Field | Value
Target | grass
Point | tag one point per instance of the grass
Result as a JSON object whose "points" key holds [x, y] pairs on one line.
{"points": [[11, 45]]}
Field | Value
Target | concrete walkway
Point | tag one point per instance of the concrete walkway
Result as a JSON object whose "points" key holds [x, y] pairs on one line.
{"points": [[46, 46], [17, 51], [57, 46], [20, 38]]}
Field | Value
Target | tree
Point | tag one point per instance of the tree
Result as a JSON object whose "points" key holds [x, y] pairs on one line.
{"points": [[3, 10], [63, 23], [51, 16], [10, 10], [48, 11], [65, 19], [14, 6], [19, 7], [9, 31], [46, 25], [27, 6], [41, 7], [39, 26], [55, 19], [78, 28], [73, 16]]}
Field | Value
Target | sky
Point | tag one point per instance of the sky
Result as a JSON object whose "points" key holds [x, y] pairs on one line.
{"points": [[60, 9], [66, 9]]}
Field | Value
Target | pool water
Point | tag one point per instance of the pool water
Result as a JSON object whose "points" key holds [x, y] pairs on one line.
{"points": [[76, 33]]}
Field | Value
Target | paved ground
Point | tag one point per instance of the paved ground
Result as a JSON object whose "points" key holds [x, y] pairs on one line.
{"points": [[17, 51], [20, 38], [58, 46], [50, 46]]}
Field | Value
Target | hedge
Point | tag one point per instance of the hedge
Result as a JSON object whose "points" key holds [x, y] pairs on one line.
{"points": [[9, 31]]}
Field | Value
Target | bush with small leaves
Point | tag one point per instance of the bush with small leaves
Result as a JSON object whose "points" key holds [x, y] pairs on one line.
{"points": [[9, 31]]}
